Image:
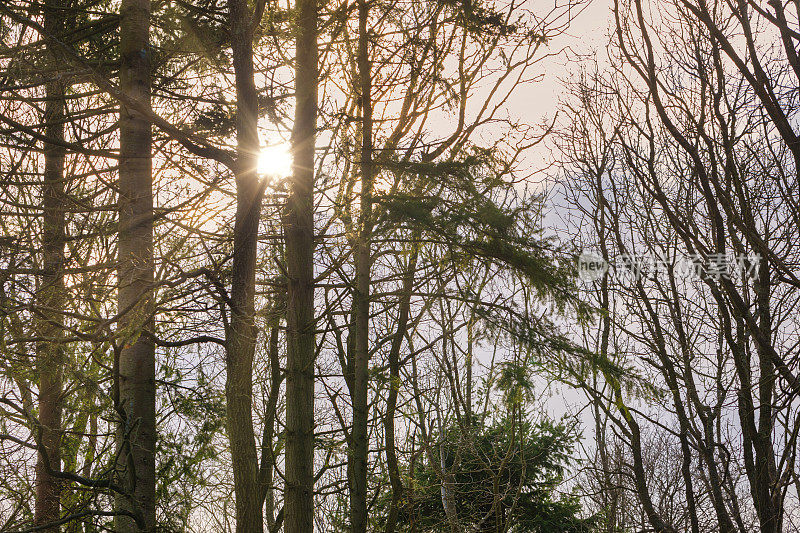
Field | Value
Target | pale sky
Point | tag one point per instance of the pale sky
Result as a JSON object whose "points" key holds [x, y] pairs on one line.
{"points": [[587, 33]]}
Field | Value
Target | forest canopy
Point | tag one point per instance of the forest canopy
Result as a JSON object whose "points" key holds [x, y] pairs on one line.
{"points": [[298, 266]]}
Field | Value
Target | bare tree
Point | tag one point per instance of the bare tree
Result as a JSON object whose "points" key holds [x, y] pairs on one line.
{"points": [[683, 158]]}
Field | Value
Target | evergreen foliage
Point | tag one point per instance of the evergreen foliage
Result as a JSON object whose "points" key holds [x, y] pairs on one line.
{"points": [[503, 476]]}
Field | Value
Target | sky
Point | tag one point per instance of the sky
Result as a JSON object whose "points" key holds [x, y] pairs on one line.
{"points": [[538, 103]]}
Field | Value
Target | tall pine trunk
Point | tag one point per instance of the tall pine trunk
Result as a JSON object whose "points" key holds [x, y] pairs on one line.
{"points": [[136, 364], [359, 445], [300, 325], [51, 292], [241, 336]]}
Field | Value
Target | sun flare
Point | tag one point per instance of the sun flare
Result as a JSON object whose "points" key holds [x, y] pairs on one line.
{"points": [[275, 161]]}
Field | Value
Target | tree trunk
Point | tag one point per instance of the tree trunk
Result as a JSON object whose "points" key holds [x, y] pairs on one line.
{"points": [[394, 384], [358, 457], [766, 495], [51, 293], [300, 326], [241, 335], [266, 470], [136, 365]]}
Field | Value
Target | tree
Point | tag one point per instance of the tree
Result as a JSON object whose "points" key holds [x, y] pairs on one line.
{"points": [[504, 476], [241, 333], [300, 322], [684, 148], [359, 361], [136, 366], [51, 292]]}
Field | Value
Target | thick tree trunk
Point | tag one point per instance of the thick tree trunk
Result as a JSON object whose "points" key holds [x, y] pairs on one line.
{"points": [[300, 325], [358, 457], [51, 297], [136, 366], [241, 335]]}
